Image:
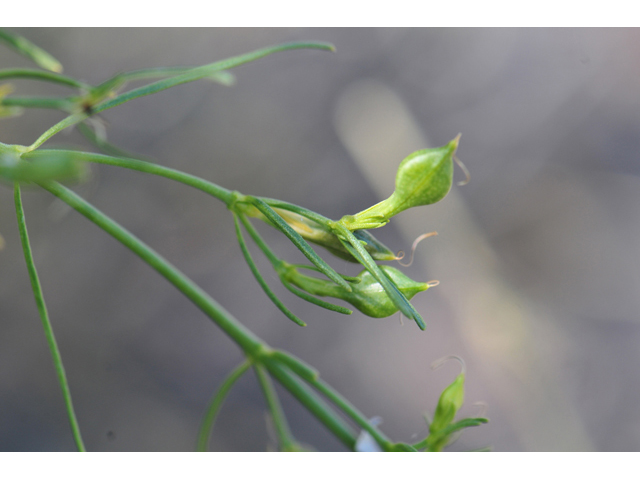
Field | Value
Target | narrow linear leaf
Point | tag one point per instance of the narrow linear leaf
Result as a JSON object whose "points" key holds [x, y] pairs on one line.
{"points": [[299, 242], [297, 366], [52, 103], [205, 71], [29, 50], [195, 74], [275, 261], [46, 323], [222, 77], [216, 403], [256, 273], [277, 266], [51, 77], [316, 405], [317, 301], [141, 166], [286, 440]]}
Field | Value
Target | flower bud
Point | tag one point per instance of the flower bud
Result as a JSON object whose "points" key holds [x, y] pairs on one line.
{"points": [[450, 402], [367, 295], [423, 178]]}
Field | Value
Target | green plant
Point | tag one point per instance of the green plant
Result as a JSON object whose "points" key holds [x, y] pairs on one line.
{"points": [[423, 178]]}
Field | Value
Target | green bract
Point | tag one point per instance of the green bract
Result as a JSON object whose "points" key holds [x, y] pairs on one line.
{"points": [[450, 402], [423, 178], [443, 426], [367, 295]]}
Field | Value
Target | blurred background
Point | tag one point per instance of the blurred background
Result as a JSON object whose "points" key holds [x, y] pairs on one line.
{"points": [[537, 256]]}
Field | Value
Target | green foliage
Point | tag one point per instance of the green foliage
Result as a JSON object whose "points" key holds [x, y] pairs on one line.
{"points": [[378, 291], [442, 427]]}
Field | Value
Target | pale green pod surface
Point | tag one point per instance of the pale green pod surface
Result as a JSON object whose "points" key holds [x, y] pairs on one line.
{"points": [[367, 294], [423, 178]]}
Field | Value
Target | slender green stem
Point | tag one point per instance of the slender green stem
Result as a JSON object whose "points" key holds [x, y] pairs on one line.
{"points": [[215, 190], [225, 78], [286, 440], [253, 347], [238, 332], [297, 366], [277, 265], [204, 71], [44, 316], [38, 102], [146, 167], [28, 49], [275, 261], [190, 76], [44, 76], [316, 301], [355, 414], [57, 128], [256, 273], [216, 403], [319, 408]]}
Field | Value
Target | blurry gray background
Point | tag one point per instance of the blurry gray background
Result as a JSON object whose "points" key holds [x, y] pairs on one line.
{"points": [[537, 256]]}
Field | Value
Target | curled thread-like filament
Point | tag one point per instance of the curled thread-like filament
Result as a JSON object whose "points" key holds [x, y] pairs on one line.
{"points": [[400, 255]]}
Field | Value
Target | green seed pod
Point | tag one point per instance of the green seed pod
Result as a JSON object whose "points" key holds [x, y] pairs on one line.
{"points": [[423, 178], [367, 295]]}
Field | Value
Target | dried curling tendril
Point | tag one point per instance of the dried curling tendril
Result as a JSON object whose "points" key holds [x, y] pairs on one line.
{"points": [[400, 255]]}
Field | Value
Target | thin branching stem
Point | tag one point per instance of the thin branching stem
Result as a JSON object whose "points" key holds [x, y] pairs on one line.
{"points": [[286, 440], [253, 347], [44, 317], [50, 77], [211, 188], [318, 407], [189, 76], [216, 403], [355, 414], [258, 276]]}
